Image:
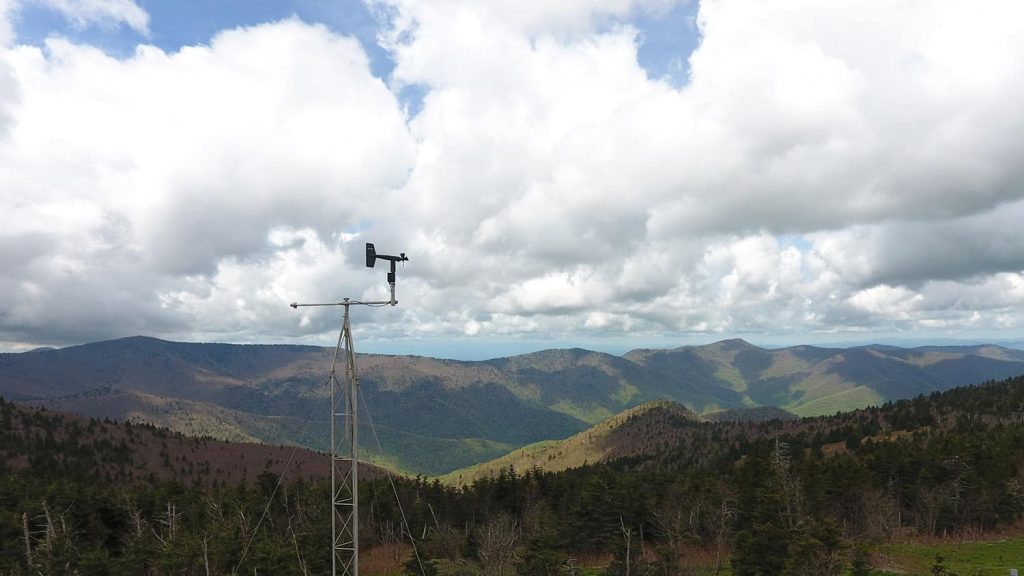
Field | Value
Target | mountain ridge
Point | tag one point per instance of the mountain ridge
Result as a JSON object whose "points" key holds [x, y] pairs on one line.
{"points": [[613, 438], [443, 414]]}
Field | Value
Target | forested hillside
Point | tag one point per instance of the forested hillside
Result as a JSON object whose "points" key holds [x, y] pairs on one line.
{"points": [[778, 497], [39, 443], [644, 430], [435, 416]]}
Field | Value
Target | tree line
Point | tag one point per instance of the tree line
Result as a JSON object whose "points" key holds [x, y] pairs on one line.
{"points": [[777, 497]]}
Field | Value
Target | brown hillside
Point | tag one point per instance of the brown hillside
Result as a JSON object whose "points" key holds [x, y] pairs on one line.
{"points": [[643, 430], [52, 443]]}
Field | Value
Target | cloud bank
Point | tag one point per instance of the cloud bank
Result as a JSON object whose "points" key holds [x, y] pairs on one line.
{"points": [[827, 168]]}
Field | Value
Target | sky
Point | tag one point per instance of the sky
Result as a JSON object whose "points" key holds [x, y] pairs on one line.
{"points": [[609, 174]]}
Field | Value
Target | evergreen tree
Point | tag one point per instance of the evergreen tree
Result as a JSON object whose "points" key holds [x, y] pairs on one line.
{"points": [[859, 565], [543, 556], [667, 563], [814, 551], [762, 533], [420, 564]]}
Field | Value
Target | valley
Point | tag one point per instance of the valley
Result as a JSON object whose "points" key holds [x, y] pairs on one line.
{"points": [[436, 416]]}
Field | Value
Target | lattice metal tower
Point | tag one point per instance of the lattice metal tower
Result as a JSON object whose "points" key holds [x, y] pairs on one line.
{"points": [[345, 434]]}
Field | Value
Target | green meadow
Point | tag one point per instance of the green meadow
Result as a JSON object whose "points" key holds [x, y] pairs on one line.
{"points": [[984, 558]]}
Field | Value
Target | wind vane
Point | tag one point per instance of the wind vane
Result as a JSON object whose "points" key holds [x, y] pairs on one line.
{"points": [[344, 449]]}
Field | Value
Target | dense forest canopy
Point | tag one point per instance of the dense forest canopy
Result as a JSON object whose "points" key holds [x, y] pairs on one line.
{"points": [[778, 497]]}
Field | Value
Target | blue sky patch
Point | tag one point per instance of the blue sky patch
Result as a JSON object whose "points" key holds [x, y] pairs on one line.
{"points": [[666, 39], [666, 42], [173, 25]]}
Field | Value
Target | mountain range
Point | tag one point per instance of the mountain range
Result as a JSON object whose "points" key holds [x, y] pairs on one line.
{"points": [[434, 416]]}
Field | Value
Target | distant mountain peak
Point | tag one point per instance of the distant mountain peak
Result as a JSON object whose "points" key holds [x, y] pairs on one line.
{"points": [[733, 344]]}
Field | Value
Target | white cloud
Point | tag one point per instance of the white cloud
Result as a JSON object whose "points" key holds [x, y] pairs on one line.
{"points": [[103, 13], [912, 253], [8, 86], [831, 115], [207, 149], [543, 152], [565, 18], [8, 98], [178, 169], [889, 302], [6, 29], [547, 186]]}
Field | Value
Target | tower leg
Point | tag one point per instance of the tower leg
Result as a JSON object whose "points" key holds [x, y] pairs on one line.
{"points": [[344, 458]]}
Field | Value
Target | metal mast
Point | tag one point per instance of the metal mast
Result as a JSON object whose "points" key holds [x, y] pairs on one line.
{"points": [[344, 433]]}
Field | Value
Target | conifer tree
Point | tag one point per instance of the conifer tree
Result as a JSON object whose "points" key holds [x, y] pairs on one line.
{"points": [[419, 563], [543, 556]]}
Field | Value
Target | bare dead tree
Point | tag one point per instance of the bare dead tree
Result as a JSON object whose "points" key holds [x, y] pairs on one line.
{"points": [[446, 541], [169, 521], [134, 515], [881, 513], [391, 538], [962, 473], [298, 555], [497, 539], [56, 548], [926, 508], [244, 521], [206, 553], [28, 539], [724, 516], [627, 535], [672, 521]]}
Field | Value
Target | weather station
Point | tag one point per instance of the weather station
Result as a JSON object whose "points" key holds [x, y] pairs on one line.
{"points": [[344, 432]]}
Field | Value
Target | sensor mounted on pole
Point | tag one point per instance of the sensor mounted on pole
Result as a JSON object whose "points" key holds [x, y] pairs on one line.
{"points": [[344, 432], [371, 260]]}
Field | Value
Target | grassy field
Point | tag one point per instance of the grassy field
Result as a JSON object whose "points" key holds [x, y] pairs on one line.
{"points": [[960, 558], [987, 558]]}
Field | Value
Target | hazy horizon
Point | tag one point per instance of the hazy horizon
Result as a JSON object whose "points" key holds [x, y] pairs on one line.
{"points": [[474, 351]]}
